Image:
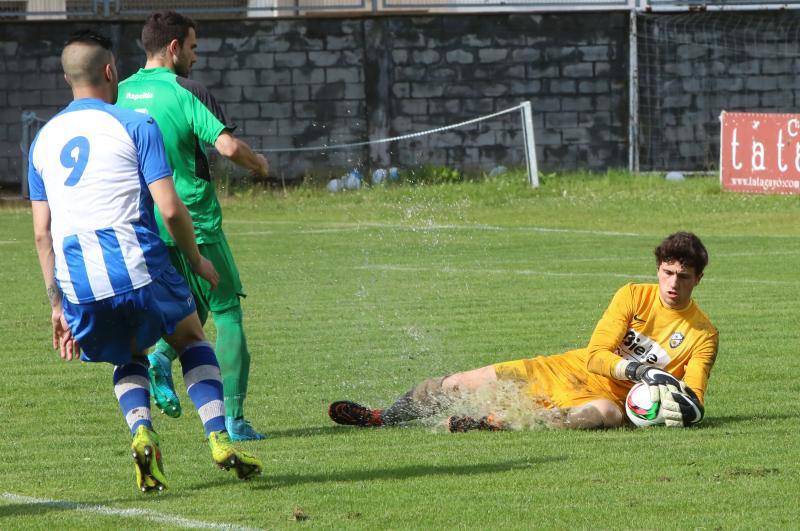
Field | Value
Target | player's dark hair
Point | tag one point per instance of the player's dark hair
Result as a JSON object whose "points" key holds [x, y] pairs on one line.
{"points": [[683, 247], [87, 36], [162, 27]]}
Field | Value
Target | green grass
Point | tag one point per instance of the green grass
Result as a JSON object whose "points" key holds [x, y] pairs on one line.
{"points": [[361, 295]]}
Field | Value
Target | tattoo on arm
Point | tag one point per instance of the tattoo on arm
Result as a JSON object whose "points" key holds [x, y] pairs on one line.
{"points": [[54, 294]]}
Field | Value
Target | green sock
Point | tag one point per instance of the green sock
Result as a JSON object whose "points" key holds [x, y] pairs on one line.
{"points": [[234, 359]]}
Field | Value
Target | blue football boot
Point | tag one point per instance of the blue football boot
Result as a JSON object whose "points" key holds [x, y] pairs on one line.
{"points": [[241, 430]]}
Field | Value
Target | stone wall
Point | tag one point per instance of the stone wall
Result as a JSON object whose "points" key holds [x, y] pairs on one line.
{"points": [[293, 83], [290, 83]]}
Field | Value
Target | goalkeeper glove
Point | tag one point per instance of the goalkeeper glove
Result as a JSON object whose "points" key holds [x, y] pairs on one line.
{"points": [[653, 377], [680, 406]]}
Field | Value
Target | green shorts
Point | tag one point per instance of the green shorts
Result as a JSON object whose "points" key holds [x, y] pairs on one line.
{"points": [[228, 290]]}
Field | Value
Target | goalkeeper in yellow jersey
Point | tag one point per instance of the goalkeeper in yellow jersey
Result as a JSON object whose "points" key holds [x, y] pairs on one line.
{"points": [[651, 333]]}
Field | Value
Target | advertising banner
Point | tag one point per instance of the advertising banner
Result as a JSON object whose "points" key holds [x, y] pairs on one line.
{"points": [[760, 152]]}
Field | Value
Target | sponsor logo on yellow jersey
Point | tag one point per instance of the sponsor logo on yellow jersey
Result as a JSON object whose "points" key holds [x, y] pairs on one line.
{"points": [[638, 347]]}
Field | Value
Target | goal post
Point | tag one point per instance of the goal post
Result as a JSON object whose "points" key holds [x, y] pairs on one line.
{"points": [[530, 144], [526, 127]]}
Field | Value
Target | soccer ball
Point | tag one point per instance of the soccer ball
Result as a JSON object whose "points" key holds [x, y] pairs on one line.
{"points": [[379, 176], [335, 185], [640, 409], [352, 181]]}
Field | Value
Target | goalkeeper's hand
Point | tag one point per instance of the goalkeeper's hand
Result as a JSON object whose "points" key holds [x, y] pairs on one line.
{"points": [[653, 377], [680, 406]]}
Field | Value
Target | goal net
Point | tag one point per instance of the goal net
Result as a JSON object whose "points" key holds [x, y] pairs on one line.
{"points": [[469, 146], [692, 66]]}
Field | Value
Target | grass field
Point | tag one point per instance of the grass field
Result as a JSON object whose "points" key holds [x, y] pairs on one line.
{"points": [[361, 295]]}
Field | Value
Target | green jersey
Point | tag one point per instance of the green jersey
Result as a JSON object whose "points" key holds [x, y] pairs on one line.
{"points": [[189, 118]]}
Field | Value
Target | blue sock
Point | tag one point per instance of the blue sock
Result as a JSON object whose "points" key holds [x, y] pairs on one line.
{"points": [[204, 385], [133, 393]]}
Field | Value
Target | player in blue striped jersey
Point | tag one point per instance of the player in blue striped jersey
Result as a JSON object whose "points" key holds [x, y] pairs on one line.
{"points": [[95, 171]]}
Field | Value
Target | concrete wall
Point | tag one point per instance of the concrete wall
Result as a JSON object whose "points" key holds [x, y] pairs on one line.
{"points": [[300, 82]]}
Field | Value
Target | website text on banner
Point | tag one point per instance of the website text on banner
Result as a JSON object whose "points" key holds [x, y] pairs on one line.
{"points": [[760, 152]]}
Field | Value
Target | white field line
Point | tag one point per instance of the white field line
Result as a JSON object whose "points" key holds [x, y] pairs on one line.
{"points": [[257, 233], [333, 226], [160, 518], [356, 228], [8, 242], [530, 272], [235, 221], [301, 231], [756, 253], [344, 226], [716, 255]]}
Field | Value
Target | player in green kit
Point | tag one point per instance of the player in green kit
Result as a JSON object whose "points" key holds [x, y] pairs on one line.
{"points": [[189, 118]]}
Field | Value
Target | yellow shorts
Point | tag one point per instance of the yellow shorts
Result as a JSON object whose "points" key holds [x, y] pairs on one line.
{"points": [[558, 381]]}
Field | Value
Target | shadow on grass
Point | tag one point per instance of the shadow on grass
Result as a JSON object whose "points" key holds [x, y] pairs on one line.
{"points": [[277, 481], [272, 481], [306, 432], [334, 429]]}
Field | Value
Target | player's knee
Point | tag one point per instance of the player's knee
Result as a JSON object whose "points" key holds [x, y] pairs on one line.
{"points": [[595, 415], [613, 418], [431, 387], [609, 413], [469, 380]]}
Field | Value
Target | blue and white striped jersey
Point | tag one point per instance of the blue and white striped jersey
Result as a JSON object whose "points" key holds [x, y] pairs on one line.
{"points": [[92, 163]]}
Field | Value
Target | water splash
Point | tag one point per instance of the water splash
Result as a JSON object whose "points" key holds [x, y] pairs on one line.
{"points": [[508, 401]]}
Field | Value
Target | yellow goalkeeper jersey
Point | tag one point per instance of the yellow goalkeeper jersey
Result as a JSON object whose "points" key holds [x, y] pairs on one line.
{"points": [[635, 326]]}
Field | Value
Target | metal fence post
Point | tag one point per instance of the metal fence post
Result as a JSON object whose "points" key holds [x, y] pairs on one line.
{"points": [[633, 96], [24, 145]]}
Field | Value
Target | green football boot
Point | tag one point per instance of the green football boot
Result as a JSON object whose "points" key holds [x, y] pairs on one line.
{"points": [[147, 461], [227, 456], [161, 387]]}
